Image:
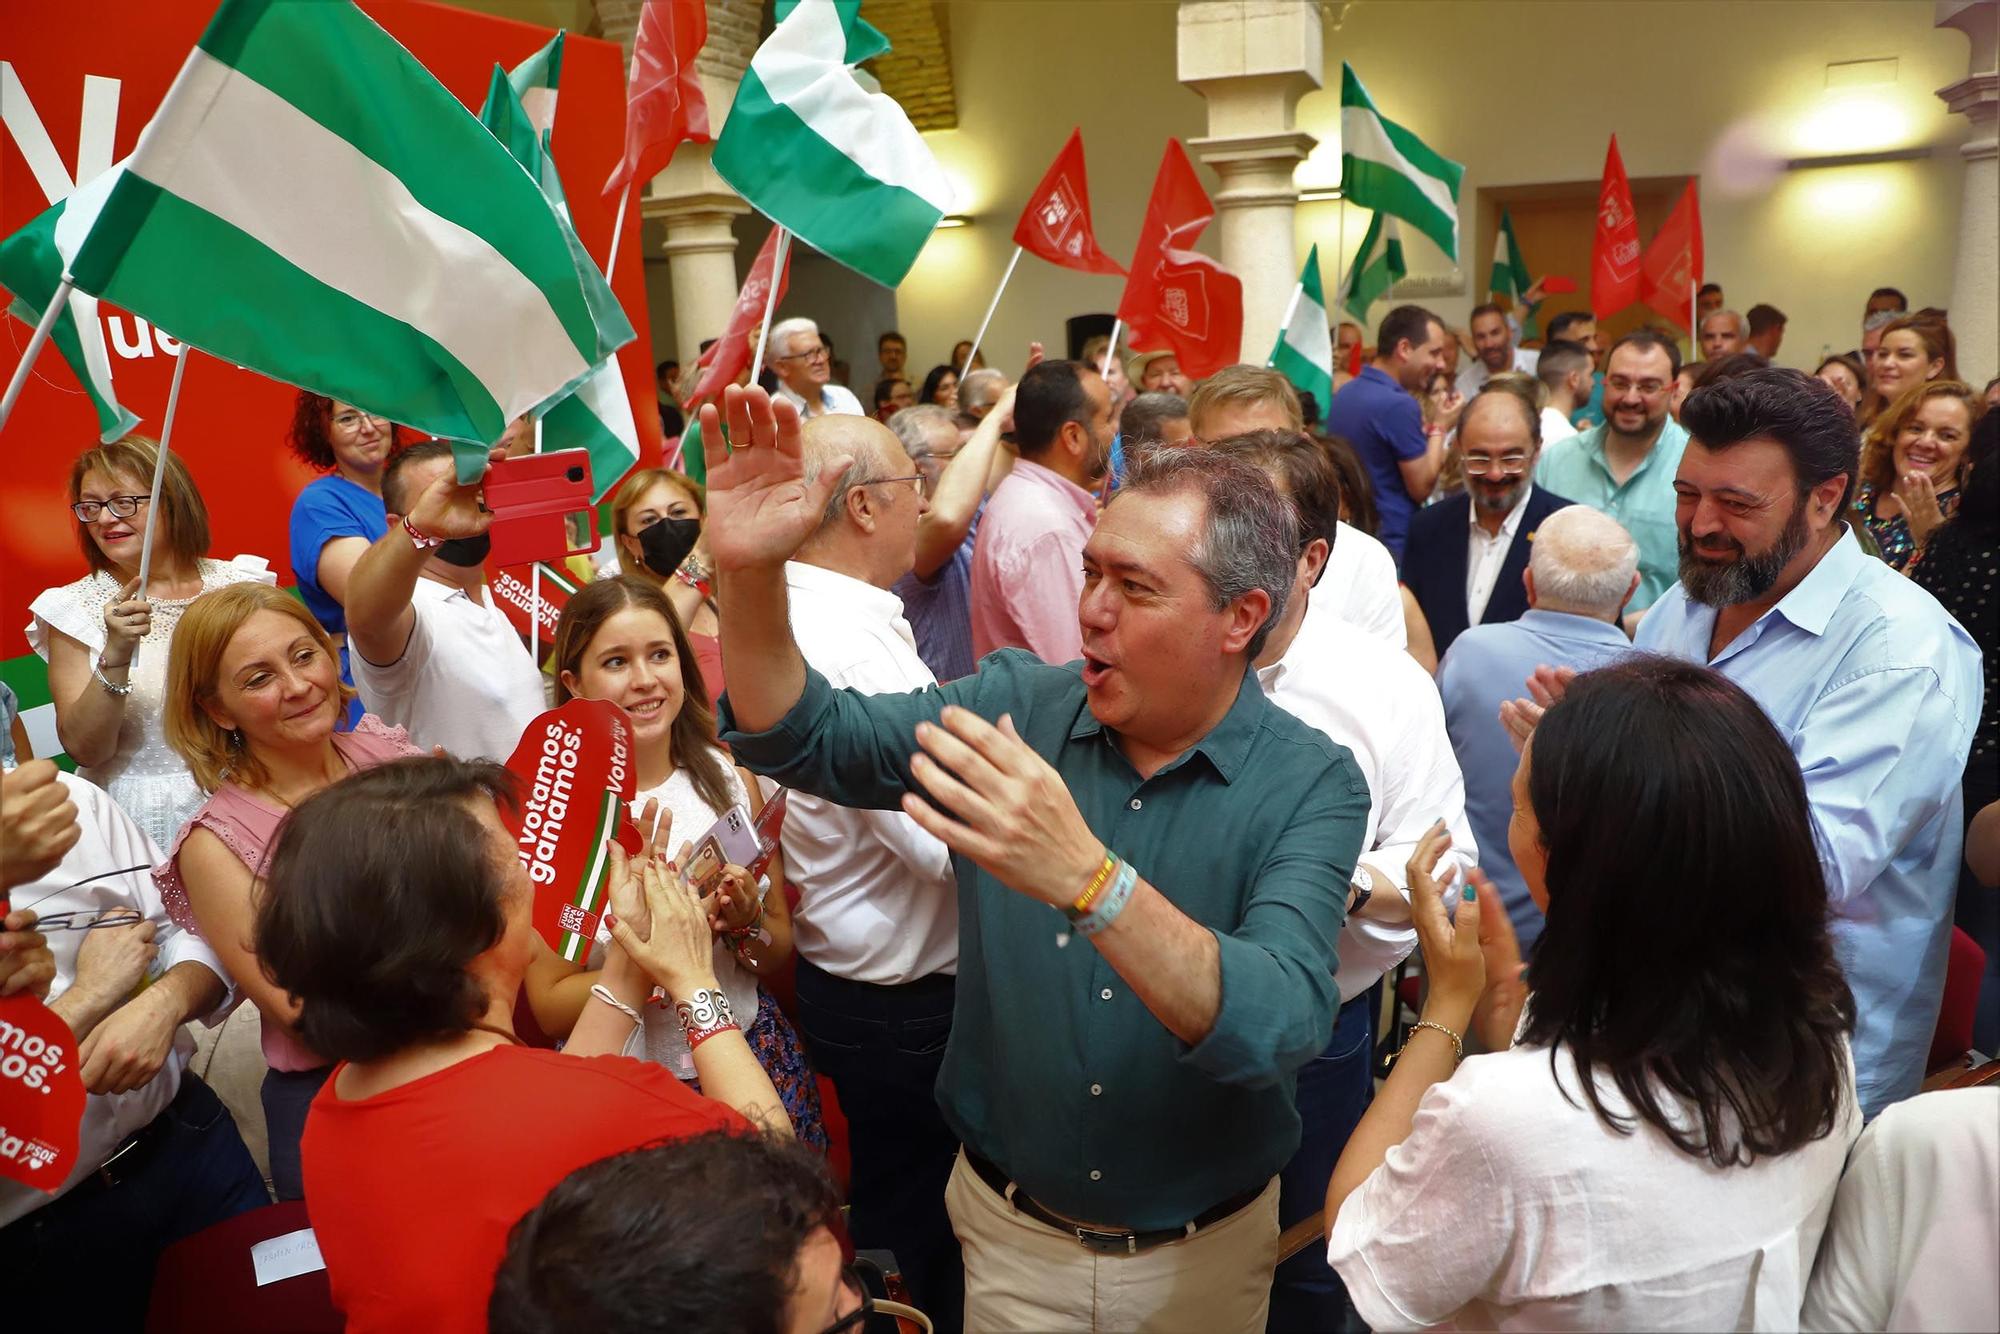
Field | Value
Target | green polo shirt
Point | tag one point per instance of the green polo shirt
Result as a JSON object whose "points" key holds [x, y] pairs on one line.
{"points": [[1055, 1070], [1644, 502]]}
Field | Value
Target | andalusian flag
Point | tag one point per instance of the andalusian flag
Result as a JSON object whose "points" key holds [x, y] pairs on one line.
{"points": [[838, 166], [1378, 266], [32, 261], [597, 416], [311, 204], [535, 81], [1304, 352], [1510, 277], [1385, 167]]}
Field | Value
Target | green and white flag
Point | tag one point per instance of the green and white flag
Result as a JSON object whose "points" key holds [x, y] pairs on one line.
{"points": [[1377, 267], [1304, 352], [839, 166], [1385, 167], [32, 262], [1510, 277], [535, 81], [310, 203], [597, 416]]}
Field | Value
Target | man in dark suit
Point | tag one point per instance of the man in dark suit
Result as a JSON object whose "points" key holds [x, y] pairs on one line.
{"points": [[1466, 553]]}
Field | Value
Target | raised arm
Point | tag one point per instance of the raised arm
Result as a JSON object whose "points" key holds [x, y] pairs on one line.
{"points": [[379, 615], [960, 488]]}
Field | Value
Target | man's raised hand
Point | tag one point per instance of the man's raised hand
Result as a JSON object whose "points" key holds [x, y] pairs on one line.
{"points": [[761, 508]]}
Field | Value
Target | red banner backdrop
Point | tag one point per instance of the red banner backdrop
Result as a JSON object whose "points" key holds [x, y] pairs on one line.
{"points": [[88, 82]]}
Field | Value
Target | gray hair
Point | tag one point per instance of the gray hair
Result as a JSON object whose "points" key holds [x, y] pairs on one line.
{"points": [[784, 331], [921, 426], [1881, 318], [1742, 325], [1583, 561], [981, 389], [867, 466], [1250, 534], [1145, 418]]}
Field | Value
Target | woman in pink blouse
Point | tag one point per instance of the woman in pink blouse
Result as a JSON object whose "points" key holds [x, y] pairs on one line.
{"points": [[253, 693]]}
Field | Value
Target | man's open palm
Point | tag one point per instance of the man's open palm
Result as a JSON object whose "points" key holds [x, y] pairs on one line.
{"points": [[760, 506]]}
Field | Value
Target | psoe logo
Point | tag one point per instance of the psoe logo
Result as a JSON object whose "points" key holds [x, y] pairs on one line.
{"points": [[34, 1154]]}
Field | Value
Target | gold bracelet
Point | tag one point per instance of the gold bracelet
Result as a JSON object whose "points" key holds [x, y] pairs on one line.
{"points": [[1457, 1043], [1090, 891]]}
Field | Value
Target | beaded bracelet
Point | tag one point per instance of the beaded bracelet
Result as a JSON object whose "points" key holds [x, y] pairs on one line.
{"points": [[704, 1014], [1112, 902]]}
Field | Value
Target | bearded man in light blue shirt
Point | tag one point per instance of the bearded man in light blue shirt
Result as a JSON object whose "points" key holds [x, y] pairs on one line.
{"points": [[1876, 687]]}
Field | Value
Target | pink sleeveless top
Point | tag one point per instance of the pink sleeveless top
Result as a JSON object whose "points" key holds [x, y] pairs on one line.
{"points": [[247, 826]]}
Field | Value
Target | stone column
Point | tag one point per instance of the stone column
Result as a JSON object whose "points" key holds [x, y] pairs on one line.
{"points": [[1975, 283], [1252, 60]]}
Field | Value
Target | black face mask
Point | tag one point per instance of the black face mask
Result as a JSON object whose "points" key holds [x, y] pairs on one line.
{"points": [[665, 543], [464, 552]]}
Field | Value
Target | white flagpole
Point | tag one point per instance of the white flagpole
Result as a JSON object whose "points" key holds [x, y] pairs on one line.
{"points": [[1291, 309], [770, 304], [617, 228], [159, 479], [35, 341], [1694, 326], [991, 306], [1340, 266], [1111, 348], [535, 585]]}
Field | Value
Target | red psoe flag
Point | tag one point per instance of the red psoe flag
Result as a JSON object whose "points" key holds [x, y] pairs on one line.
{"points": [[1175, 298], [1614, 254], [729, 356], [1056, 223], [1672, 268], [664, 102]]}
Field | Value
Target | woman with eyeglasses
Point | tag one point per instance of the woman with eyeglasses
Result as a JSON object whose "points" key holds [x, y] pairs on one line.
{"points": [[337, 516], [105, 639], [253, 694]]}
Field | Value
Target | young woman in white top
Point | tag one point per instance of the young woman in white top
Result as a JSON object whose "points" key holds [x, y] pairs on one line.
{"points": [[106, 639], [619, 640], [1654, 1143]]}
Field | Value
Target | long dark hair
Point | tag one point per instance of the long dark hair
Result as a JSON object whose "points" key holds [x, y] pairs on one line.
{"points": [[693, 730], [1686, 954]]}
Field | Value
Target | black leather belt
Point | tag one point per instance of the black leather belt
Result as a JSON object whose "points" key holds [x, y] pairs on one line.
{"points": [[1106, 1243]]}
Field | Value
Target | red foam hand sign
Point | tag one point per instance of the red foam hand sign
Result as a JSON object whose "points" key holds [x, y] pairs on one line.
{"points": [[574, 764], [41, 1094]]}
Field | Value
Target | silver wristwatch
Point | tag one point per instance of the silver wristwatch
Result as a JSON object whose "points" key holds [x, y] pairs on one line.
{"points": [[1364, 889]]}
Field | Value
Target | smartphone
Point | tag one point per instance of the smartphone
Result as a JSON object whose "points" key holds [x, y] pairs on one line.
{"points": [[541, 508], [731, 840]]}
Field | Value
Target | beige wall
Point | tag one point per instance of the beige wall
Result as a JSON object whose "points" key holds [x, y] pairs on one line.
{"points": [[1521, 93]]}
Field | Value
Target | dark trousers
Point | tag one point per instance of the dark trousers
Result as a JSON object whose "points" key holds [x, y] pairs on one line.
{"points": [[882, 1048], [1335, 1088], [84, 1261], [287, 1096]]}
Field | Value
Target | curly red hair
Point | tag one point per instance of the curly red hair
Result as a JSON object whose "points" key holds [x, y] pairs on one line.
{"points": [[311, 433]]}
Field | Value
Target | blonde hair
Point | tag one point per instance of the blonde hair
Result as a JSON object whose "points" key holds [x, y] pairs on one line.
{"points": [[199, 642], [1878, 448], [626, 499], [1247, 384], [178, 507]]}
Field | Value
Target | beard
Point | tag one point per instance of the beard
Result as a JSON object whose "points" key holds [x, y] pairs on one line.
{"points": [[1492, 501], [1746, 577]]}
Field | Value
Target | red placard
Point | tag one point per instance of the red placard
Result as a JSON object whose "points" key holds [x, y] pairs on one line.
{"points": [[41, 1094], [513, 592], [575, 768]]}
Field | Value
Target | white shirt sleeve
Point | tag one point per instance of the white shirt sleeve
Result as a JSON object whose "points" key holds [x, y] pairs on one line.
{"points": [[1362, 575]]}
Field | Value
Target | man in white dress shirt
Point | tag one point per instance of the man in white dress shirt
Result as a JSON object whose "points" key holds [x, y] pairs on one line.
{"points": [[1361, 574], [1493, 351], [876, 929], [798, 356], [158, 1157], [1376, 701]]}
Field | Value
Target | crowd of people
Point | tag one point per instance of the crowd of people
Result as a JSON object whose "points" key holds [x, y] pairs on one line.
{"points": [[1614, 733]]}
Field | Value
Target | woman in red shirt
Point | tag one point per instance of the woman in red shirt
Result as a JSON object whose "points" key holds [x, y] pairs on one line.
{"points": [[399, 916]]}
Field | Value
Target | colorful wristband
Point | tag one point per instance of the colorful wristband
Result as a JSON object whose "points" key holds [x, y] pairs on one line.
{"points": [[1091, 890], [1112, 902]]}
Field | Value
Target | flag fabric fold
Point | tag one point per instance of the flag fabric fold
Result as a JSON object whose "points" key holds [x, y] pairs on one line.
{"points": [[816, 152], [665, 103], [1614, 250], [536, 81], [1672, 268], [1304, 350], [32, 262], [1056, 224], [729, 355], [310, 203], [1378, 266], [1177, 298], [1385, 167]]}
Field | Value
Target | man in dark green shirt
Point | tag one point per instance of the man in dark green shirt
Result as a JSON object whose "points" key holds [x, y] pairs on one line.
{"points": [[1124, 1046]]}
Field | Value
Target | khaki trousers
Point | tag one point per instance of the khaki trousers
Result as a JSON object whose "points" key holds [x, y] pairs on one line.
{"points": [[1022, 1275]]}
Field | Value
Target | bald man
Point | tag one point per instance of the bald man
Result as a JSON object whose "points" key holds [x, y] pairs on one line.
{"points": [[1584, 569], [860, 986]]}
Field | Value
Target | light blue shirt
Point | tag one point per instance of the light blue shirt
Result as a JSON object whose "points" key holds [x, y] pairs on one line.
{"points": [[1877, 689], [1489, 664], [1643, 502]]}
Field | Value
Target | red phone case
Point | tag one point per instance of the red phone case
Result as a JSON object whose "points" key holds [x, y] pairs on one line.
{"points": [[541, 507]]}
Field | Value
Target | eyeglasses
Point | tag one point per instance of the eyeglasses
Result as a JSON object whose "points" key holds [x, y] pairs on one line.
{"points": [[87, 919], [1619, 384], [850, 1279], [351, 421], [123, 507], [922, 480], [1507, 465], [810, 354]]}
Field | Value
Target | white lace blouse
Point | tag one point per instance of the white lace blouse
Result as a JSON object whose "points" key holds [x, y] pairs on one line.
{"points": [[146, 777]]}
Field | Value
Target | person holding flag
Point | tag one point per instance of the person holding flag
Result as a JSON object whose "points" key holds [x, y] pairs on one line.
{"points": [[1304, 350]]}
